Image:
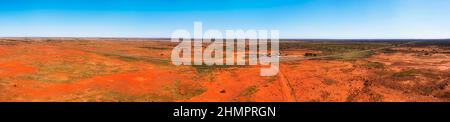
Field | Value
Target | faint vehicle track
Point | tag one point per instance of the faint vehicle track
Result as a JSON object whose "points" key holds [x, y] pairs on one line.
{"points": [[286, 88]]}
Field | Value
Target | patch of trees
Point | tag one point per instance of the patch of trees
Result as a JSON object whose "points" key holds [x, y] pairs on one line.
{"points": [[310, 54]]}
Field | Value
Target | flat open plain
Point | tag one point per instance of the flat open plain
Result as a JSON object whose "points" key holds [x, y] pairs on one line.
{"points": [[94, 69]]}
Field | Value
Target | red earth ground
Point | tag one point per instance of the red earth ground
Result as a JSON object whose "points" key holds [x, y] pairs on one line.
{"points": [[140, 70]]}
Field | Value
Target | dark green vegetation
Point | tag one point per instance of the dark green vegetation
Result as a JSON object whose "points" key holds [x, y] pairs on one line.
{"points": [[334, 47]]}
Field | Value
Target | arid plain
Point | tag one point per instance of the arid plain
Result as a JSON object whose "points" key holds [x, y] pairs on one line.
{"points": [[140, 70]]}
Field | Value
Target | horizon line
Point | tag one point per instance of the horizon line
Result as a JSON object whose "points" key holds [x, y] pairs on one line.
{"points": [[166, 38]]}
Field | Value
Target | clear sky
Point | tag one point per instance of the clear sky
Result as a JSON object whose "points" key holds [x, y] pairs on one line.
{"points": [[159, 18]]}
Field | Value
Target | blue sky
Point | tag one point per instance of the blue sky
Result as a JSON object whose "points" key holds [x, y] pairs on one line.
{"points": [[159, 18]]}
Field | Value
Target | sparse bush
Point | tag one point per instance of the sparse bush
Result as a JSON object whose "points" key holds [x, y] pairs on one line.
{"points": [[374, 65], [387, 50], [405, 73], [310, 54]]}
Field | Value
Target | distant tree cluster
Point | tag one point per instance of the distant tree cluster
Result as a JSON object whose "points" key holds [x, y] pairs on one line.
{"points": [[310, 54]]}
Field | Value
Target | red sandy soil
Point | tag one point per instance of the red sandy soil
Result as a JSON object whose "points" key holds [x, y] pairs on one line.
{"points": [[97, 70]]}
